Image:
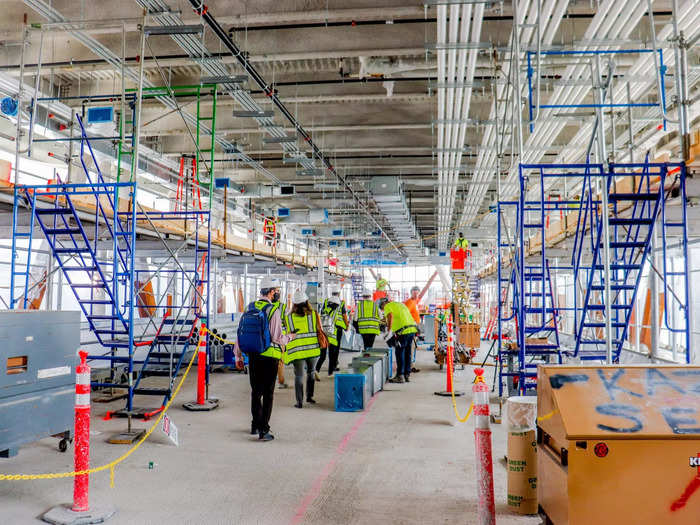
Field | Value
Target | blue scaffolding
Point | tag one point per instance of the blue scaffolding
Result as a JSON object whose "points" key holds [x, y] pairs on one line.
{"points": [[633, 213], [93, 240], [534, 107]]}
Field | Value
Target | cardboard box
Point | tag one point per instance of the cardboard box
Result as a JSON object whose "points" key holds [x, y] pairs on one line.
{"points": [[522, 472]]}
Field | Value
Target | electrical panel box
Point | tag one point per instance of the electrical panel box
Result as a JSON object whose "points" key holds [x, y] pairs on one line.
{"points": [[37, 377], [100, 115], [283, 212]]}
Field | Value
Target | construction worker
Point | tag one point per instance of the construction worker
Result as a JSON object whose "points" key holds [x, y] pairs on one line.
{"points": [[280, 368], [367, 319], [461, 243], [412, 304], [304, 349], [262, 368], [335, 322], [416, 295], [381, 283], [400, 324]]}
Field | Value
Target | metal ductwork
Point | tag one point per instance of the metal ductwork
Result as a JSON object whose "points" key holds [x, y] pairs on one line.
{"points": [[305, 217], [391, 201]]}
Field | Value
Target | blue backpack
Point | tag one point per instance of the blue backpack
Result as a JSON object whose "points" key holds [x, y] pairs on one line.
{"points": [[254, 330]]}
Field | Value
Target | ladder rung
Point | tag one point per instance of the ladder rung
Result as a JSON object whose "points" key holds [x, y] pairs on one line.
{"points": [[62, 231], [612, 306], [613, 221], [674, 224], [602, 325], [80, 268], [53, 211], [633, 196], [71, 250], [91, 285]]}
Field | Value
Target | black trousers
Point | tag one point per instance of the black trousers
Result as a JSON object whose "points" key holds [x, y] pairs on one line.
{"points": [[368, 340], [262, 372], [333, 354], [403, 347]]}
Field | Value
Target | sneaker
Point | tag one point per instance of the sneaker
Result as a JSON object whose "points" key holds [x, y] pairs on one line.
{"points": [[266, 436], [283, 385], [414, 370], [405, 378], [309, 400], [298, 405], [317, 376], [396, 379]]}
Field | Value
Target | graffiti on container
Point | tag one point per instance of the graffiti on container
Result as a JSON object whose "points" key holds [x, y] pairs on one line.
{"points": [[691, 488]]}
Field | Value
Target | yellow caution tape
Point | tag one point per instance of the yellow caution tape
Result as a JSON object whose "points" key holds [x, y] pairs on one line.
{"points": [[110, 466]]}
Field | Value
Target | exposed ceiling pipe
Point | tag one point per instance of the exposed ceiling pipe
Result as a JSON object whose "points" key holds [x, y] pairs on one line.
{"points": [[207, 17]]}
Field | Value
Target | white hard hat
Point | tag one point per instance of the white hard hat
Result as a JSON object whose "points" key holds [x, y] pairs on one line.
{"points": [[269, 282], [299, 297]]}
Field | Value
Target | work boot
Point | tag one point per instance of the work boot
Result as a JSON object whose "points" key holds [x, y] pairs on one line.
{"points": [[396, 379], [266, 436], [405, 378], [309, 400], [298, 404]]}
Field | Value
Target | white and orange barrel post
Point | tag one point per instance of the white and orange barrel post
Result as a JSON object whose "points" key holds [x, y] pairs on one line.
{"points": [[484, 455], [449, 357], [202, 404], [81, 483], [80, 510], [449, 361]]}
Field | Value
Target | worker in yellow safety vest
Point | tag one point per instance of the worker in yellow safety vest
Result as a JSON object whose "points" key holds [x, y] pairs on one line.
{"points": [[280, 369], [367, 319], [461, 243], [335, 322], [381, 283], [400, 323], [262, 368], [304, 349]]}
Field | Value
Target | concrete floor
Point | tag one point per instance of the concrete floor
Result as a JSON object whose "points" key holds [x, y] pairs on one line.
{"points": [[401, 462]]}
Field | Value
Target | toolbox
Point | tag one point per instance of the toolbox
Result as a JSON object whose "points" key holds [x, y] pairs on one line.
{"points": [[377, 364], [619, 444], [37, 376], [353, 389]]}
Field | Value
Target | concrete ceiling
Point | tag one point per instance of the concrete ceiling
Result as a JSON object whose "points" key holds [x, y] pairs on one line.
{"points": [[313, 52]]}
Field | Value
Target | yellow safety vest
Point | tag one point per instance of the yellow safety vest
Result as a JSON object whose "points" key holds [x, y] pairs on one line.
{"points": [[461, 243], [305, 343], [381, 284], [368, 317], [274, 350], [283, 315], [402, 321], [339, 320]]}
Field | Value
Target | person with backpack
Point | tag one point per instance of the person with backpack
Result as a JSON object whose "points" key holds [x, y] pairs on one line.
{"points": [[304, 349], [367, 319], [402, 328], [280, 368], [335, 322], [260, 335]]}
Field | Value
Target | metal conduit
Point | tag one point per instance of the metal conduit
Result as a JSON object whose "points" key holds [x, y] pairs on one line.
{"points": [[248, 103]]}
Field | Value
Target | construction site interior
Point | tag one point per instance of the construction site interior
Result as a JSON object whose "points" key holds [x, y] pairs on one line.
{"points": [[350, 262]]}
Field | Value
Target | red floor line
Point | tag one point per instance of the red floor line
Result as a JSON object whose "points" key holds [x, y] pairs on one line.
{"points": [[315, 489]]}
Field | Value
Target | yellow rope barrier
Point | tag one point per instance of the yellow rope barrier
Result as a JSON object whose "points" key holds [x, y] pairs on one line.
{"points": [[110, 466], [478, 379]]}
